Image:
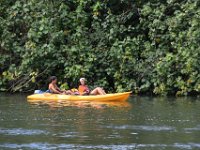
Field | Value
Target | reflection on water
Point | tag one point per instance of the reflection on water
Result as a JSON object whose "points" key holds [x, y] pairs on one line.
{"points": [[141, 123], [81, 104]]}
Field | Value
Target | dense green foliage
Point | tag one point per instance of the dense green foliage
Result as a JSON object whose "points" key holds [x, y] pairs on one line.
{"points": [[143, 46]]}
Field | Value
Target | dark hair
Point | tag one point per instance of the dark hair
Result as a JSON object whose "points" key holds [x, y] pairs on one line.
{"points": [[52, 78]]}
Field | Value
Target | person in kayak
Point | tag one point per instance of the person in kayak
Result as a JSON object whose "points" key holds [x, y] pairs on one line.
{"points": [[53, 88], [84, 90]]}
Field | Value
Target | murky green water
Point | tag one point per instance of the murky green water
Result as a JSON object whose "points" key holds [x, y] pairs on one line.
{"points": [[143, 123]]}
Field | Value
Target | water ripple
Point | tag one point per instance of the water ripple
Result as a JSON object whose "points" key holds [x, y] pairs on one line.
{"points": [[197, 128], [19, 131], [43, 146], [144, 128], [70, 135]]}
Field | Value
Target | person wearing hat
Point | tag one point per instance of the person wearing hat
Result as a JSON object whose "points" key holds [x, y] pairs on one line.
{"points": [[84, 90]]}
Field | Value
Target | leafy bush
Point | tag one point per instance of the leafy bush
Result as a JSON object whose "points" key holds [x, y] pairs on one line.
{"points": [[145, 47]]}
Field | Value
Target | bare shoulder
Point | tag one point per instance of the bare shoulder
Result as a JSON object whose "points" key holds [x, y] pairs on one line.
{"points": [[50, 85]]}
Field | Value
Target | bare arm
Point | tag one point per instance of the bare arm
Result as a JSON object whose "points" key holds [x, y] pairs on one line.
{"points": [[55, 90], [86, 91], [58, 89]]}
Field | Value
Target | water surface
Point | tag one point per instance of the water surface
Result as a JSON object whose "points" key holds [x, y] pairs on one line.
{"points": [[142, 123]]}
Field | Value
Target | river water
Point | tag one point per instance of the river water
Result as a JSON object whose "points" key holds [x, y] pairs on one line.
{"points": [[141, 123]]}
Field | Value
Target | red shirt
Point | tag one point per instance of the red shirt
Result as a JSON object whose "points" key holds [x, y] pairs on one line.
{"points": [[83, 89]]}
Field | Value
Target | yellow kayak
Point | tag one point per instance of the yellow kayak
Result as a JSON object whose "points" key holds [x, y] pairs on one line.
{"points": [[108, 97]]}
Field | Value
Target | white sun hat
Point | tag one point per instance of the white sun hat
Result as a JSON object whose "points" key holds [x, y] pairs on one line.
{"points": [[82, 79]]}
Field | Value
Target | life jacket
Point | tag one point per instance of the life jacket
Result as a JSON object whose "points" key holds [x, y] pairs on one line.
{"points": [[83, 88]]}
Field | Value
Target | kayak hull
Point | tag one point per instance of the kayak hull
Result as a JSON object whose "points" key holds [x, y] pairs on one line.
{"points": [[108, 97]]}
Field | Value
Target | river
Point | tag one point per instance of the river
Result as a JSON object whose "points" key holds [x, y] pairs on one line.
{"points": [[142, 123]]}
